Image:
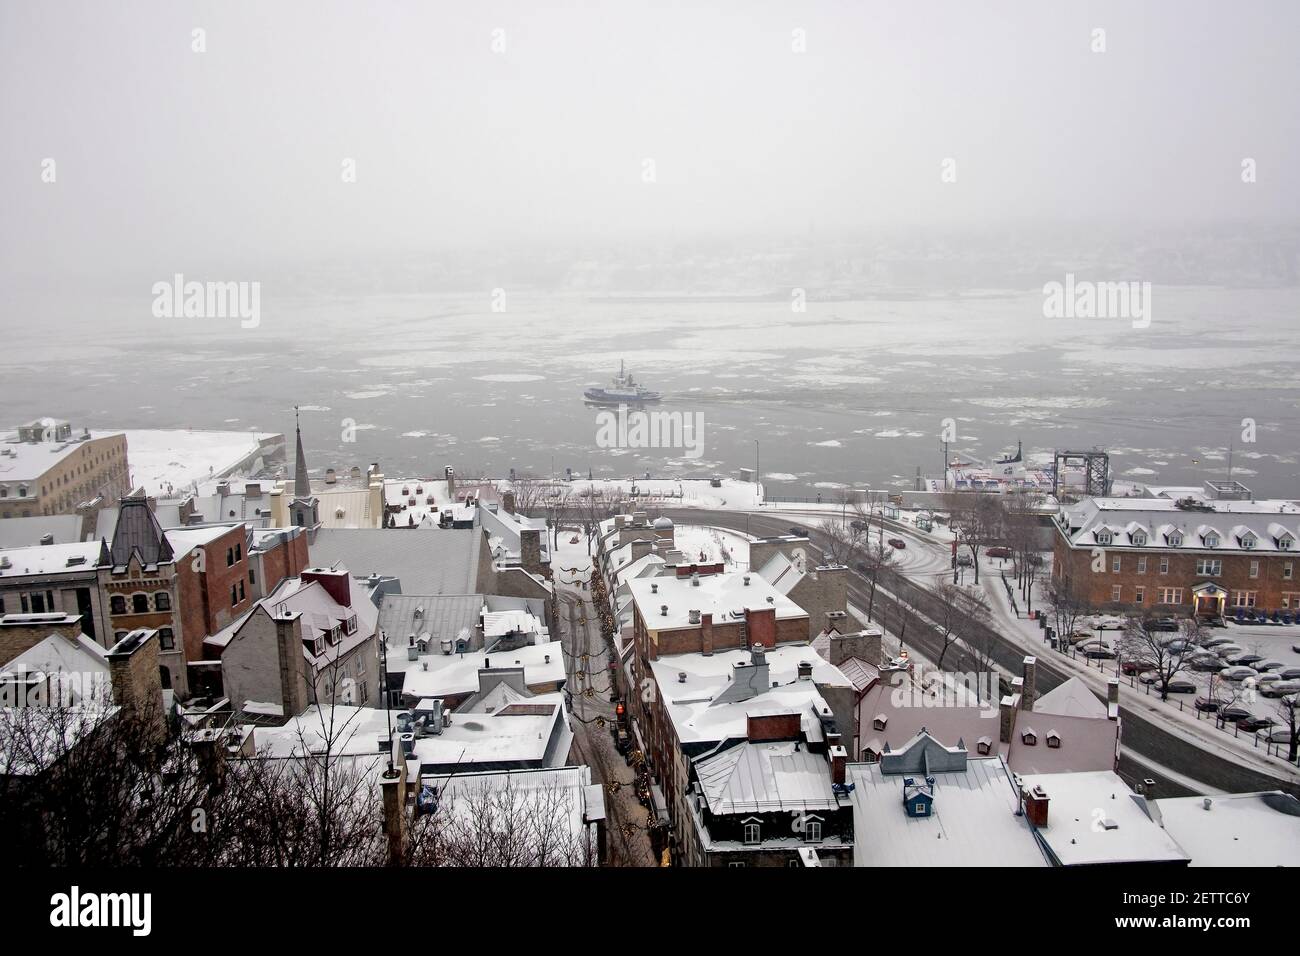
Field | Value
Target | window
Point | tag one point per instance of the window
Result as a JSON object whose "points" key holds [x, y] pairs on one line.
{"points": [[117, 604], [812, 831], [1248, 541], [1244, 598], [1115, 593], [1139, 595], [252, 576], [752, 833], [920, 808], [241, 590], [1284, 542], [239, 552], [1140, 538], [1142, 564], [363, 695], [234, 595], [1164, 565], [1116, 563], [1103, 536], [1291, 599], [1054, 741], [737, 865], [1286, 571], [1209, 567], [1254, 569], [38, 603], [1211, 540], [166, 639], [139, 604], [162, 601], [1171, 595], [230, 556]]}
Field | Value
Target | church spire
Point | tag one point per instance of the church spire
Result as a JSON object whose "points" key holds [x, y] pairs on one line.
{"points": [[301, 483]]}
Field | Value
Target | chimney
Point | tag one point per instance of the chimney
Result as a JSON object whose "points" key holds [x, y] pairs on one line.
{"points": [[396, 820], [334, 581], [451, 482], [864, 645], [20, 632], [1007, 717], [137, 684], [1112, 698], [508, 502], [839, 758], [694, 616], [1036, 806], [1029, 693], [805, 671], [706, 634], [530, 550], [289, 650]]}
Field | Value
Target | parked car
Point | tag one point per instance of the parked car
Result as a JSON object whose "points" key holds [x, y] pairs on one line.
{"points": [[1246, 659], [1136, 666], [1252, 723], [1163, 624], [1276, 666], [1182, 685], [998, 552], [1205, 664], [1178, 644], [797, 532], [963, 561], [1274, 735], [1295, 648], [1290, 673], [1239, 672], [1228, 650], [1280, 688], [1209, 703], [1218, 642], [1234, 712], [897, 543], [1262, 680], [1097, 652]]}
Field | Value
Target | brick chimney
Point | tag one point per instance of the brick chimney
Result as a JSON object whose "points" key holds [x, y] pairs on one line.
{"points": [[839, 758], [1036, 801], [1007, 717], [706, 634], [451, 482], [1112, 698], [396, 813], [137, 682], [333, 580], [1029, 692], [289, 650], [864, 645], [21, 632], [530, 550], [508, 502]]}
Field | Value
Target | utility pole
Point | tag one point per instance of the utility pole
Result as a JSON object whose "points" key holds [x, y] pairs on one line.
{"points": [[758, 474]]}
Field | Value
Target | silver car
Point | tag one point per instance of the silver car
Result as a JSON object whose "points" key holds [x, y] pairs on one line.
{"points": [[1238, 672]]}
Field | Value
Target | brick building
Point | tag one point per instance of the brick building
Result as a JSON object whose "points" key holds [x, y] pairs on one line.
{"points": [[1211, 553], [46, 470]]}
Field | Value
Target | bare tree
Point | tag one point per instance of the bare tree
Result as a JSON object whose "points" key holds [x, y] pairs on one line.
{"points": [[1166, 654], [1288, 708], [959, 612], [1065, 606]]}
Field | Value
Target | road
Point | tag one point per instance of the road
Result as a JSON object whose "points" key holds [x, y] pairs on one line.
{"points": [[1144, 736], [592, 713]]}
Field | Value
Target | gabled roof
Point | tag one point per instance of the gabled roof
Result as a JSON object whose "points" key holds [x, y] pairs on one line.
{"points": [[1071, 697]]}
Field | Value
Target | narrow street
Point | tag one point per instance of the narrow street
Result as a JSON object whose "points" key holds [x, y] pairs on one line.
{"points": [[590, 686]]}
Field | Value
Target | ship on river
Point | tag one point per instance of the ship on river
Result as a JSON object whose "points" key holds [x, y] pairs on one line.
{"points": [[624, 391]]}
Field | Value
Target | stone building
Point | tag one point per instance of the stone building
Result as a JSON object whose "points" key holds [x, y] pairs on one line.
{"points": [[47, 470]]}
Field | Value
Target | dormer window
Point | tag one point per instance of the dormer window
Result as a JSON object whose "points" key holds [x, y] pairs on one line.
{"points": [[984, 746], [1284, 543], [1054, 740], [1029, 738], [1140, 538], [1104, 536], [753, 833], [1175, 539], [1247, 541], [879, 721], [1211, 540]]}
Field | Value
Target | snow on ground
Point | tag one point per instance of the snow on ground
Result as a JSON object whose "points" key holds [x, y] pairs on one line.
{"points": [[163, 461], [704, 545], [670, 492]]}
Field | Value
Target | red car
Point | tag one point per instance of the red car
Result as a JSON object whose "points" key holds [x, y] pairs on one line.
{"points": [[897, 543], [998, 552]]}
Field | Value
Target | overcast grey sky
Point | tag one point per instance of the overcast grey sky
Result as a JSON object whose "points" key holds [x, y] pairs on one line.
{"points": [[168, 158]]}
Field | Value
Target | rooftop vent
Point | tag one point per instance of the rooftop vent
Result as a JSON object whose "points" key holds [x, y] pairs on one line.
{"points": [[746, 580], [663, 610], [654, 588], [695, 617], [681, 677]]}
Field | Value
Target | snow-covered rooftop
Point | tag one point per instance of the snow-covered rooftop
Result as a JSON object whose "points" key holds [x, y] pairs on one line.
{"points": [[449, 675], [726, 596], [1238, 829], [1263, 525], [48, 558], [1093, 817], [767, 776]]}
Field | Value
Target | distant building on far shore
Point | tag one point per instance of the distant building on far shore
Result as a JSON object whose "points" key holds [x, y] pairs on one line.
{"points": [[47, 470]]}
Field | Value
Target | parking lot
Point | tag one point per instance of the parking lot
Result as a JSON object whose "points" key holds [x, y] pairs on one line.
{"points": [[1274, 644]]}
